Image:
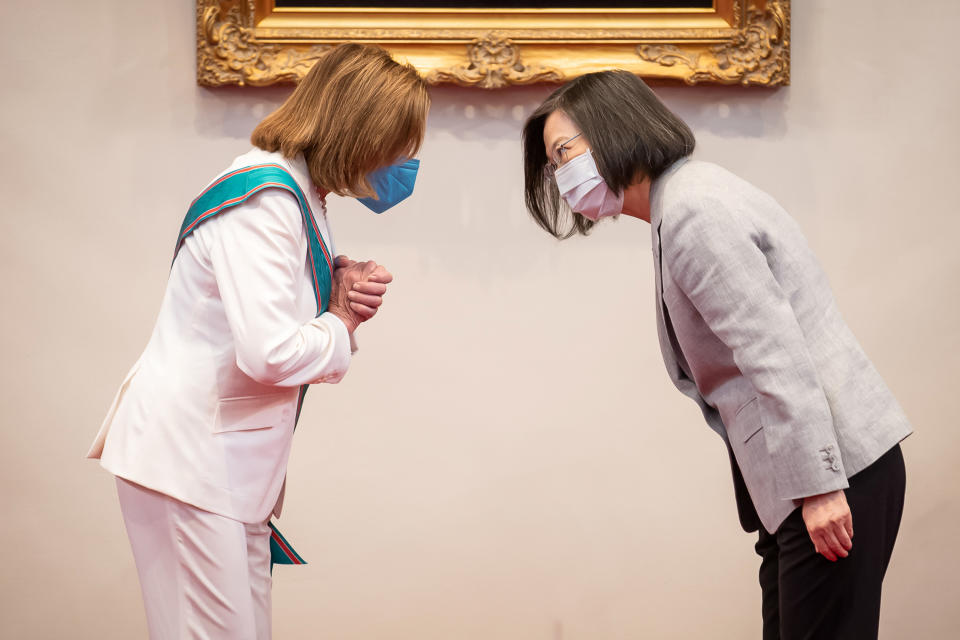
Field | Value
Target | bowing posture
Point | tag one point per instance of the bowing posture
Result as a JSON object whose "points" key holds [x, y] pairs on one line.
{"points": [[255, 310], [749, 330]]}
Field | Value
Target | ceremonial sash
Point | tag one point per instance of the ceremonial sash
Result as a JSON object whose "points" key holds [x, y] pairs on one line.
{"points": [[236, 188]]}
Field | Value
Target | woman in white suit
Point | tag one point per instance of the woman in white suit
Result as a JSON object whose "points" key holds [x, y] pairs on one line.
{"points": [[255, 310]]}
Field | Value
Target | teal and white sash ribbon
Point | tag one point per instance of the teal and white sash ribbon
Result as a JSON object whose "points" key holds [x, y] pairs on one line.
{"points": [[236, 188]]}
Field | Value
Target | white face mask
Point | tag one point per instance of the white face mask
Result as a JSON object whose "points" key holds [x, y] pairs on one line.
{"points": [[584, 189]]}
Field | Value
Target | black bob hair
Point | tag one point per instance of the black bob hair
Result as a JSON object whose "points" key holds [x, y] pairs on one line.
{"points": [[631, 134]]}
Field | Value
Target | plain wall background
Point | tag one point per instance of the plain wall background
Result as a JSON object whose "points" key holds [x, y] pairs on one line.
{"points": [[507, 458]]}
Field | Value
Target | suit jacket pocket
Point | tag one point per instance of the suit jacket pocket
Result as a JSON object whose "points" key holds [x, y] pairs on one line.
{"points": [[748, 416], [253, 412]]}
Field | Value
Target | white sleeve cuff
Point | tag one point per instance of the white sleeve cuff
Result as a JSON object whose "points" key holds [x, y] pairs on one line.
{"points": [[339, 357]]}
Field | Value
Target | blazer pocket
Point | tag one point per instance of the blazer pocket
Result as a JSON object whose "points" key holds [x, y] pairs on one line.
{"points": [[252, 412], [749, 416]]}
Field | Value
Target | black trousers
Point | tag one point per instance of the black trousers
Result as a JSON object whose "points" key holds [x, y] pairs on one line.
{"points": [[805, 596]]}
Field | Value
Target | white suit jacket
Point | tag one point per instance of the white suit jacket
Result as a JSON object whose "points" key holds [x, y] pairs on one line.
{"points": [[750, 330], [206, 415]]}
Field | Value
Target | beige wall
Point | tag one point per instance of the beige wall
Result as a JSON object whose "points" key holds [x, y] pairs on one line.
{"points": [[506, 459]]}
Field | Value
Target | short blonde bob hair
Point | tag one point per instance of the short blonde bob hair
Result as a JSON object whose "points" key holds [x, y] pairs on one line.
{"points": [[355, 111]]}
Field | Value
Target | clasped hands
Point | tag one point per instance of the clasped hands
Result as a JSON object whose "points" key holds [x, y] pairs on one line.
{"points": [[357, 290]]}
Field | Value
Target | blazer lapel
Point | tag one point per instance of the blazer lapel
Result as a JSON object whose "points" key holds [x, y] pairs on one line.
{"points": [[669, 357], [669, 344], [666, 346]]}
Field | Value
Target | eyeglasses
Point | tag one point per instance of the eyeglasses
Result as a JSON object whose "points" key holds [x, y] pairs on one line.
{"points": [[552, 167]]}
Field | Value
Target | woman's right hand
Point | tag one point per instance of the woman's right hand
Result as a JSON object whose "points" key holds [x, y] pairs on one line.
{"points": [[357, 290]]}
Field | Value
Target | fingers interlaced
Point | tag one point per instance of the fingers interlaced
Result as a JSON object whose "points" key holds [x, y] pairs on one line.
{"points": [[381, 275], [363, 311], [343, 261], [370, 288], [365, 299], [365, 284]]}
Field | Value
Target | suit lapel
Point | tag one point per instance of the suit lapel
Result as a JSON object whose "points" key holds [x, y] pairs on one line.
{"points": [[666, 346]]}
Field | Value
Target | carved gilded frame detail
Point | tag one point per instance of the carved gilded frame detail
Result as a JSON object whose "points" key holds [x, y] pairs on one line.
{"points": [[745, 42]]}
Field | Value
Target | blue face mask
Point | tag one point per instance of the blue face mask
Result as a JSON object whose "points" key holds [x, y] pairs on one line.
{"points": [[392, 184]]}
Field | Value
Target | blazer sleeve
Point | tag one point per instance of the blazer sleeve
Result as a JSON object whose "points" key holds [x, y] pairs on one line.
{"points": [[258, 252], [720, 266]]}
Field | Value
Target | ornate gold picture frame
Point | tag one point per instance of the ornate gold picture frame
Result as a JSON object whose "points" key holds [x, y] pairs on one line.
{"points": [[744, 42]]}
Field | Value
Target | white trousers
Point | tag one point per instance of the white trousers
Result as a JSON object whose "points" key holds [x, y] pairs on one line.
{"points": [[203, 576]]}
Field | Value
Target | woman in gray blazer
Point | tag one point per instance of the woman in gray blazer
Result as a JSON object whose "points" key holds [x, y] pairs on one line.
{"points": [[749, 329]]}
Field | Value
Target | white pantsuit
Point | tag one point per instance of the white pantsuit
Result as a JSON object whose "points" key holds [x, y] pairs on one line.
{"points": [[202, 425], [203, 576]]}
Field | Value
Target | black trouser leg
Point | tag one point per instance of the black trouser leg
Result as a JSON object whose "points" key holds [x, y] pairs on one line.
{"points": [[810, 598], [769, 584]]}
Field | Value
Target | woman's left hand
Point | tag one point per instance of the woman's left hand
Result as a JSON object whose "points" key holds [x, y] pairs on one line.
{"points": [[366, 295]]}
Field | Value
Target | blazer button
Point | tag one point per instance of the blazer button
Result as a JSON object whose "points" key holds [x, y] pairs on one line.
{"points": [[830, 458]]}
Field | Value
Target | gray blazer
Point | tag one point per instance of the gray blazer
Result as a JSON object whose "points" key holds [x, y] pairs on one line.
{"points": [[749, 329]]}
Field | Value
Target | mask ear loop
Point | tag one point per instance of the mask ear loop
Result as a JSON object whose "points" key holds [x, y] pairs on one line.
{"points": [[563, 147]]}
